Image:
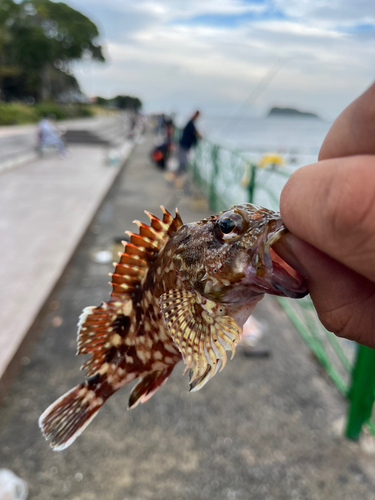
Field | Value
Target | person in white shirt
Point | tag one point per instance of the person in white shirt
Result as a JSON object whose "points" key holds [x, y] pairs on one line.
{"points": [[48, 135]]}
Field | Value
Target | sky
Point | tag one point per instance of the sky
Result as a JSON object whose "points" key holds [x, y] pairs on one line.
{"points": [[213, 55]]}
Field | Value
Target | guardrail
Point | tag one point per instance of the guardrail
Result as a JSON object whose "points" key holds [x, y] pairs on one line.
{"points": [[227, 177]]}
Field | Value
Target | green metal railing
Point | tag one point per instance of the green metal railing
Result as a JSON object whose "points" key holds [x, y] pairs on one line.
{"points": [[228, 177]]}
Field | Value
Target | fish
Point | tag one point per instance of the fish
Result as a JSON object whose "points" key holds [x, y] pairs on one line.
{"points": [[179, 292]]}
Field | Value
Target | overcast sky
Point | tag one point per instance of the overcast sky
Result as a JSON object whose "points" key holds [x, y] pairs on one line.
{"points": [[211, 54]]}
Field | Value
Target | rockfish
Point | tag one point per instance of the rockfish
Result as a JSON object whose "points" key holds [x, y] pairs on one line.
{"points": [[180, 291]]}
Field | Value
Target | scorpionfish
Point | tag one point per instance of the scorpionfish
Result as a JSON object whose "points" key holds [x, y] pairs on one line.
{"points": [[180, 291]]}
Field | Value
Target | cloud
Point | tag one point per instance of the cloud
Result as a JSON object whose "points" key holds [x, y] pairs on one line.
{"points": [[328, 11], [165, 52], [168, 10]]}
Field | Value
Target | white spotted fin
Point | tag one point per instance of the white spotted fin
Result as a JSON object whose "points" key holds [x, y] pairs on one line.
{"points": [[202, 332], [103, 333], [147, 387], [103, 328], [68, 416]]}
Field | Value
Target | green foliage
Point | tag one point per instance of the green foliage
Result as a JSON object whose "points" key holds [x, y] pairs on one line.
{"points": [[48, 109], [19, 113], [39, 39], [103, 102], [127, 102], [121, 102]]}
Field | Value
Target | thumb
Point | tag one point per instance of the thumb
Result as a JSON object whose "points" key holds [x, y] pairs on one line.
{"points": [[331, 205]]}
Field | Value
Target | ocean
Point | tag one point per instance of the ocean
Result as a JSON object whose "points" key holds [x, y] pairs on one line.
{"points": [[296, 141], [273, 133]]}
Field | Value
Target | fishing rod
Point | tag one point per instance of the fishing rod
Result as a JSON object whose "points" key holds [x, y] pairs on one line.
{"points": [[255, 93], [252, 98]]}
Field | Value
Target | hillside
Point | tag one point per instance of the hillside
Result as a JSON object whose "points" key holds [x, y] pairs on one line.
{"points": [[291, 112]]}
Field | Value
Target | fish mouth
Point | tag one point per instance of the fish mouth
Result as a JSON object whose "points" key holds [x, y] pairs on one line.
{"points": [[271, 274]]}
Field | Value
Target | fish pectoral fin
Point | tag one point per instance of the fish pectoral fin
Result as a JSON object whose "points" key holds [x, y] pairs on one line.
{"points": [[202, 332], [147, 387]]}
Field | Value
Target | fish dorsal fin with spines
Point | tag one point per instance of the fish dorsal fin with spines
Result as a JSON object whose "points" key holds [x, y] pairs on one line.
{"points": [[102, 329], [141, 251], [202, 332]]}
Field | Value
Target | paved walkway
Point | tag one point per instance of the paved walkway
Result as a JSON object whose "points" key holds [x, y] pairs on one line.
{"points": [[263, 429], [45, 209], [17, 142]]}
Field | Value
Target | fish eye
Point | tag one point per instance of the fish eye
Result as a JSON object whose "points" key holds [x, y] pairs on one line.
{"points": [[229, 226]]}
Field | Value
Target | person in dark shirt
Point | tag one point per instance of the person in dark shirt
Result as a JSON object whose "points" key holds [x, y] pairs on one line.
{"points": [[189, 138]]}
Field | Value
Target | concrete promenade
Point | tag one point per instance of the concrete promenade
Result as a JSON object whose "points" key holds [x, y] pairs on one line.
{"points": [[46, 206], [17, 142], [263, 429]]}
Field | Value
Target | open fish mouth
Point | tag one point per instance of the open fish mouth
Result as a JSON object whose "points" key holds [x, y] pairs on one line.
{"points": [[286, 281], [272, 275]]}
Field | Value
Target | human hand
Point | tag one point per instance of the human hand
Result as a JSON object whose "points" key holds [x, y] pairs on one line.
{"points": [[330, 205]]}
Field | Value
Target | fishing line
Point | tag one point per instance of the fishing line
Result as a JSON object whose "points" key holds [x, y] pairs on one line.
{"points": [[251, 99], [255, 93]]}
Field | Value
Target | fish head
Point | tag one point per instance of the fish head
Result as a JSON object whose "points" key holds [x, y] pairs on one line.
{"points": [[229, 257]]}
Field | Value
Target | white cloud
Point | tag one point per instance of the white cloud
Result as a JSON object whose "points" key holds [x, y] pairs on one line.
{"points": [[181, 9], [335, 10], [168, 10], [170, 62]]}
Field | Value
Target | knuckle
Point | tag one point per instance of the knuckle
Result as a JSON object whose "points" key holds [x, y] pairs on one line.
{"points": [[348, 206], [352, 323], [338, 324]]}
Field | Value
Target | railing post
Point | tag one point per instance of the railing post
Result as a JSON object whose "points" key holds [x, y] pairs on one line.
{"points": [[215, 170], [195, 164], [251, 187], [362, 392]]}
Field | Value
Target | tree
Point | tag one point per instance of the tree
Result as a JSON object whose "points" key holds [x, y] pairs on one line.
{"points": [[127, 102], [42, 39], [121, 102], [8, 12]]}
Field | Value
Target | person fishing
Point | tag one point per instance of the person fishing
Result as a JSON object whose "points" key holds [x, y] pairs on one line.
{"points": [[189, 138], [161, 153]]}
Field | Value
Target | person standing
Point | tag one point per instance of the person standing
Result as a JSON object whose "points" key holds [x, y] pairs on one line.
{"points": [[189, 138]]}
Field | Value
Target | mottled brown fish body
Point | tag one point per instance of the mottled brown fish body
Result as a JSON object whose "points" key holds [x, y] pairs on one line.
{"points": [[179, 291]]}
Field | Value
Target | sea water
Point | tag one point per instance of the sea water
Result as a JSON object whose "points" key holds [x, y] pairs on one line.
{"points": [[302, 135], [296, 141]]}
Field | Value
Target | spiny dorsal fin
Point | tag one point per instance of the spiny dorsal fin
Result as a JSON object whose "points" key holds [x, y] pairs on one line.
{"points": [[102, 329], [202, 331], [141, 251]]}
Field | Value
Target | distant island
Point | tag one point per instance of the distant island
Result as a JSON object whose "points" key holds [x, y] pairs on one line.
{"points": [[291, 112]]}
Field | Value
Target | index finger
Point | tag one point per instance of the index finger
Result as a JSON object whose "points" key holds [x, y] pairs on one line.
{"points": [[353, 131], [331, 205]]}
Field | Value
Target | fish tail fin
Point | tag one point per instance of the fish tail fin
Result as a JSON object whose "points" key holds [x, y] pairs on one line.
{"points": [[147, 386], [65, 419]]}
